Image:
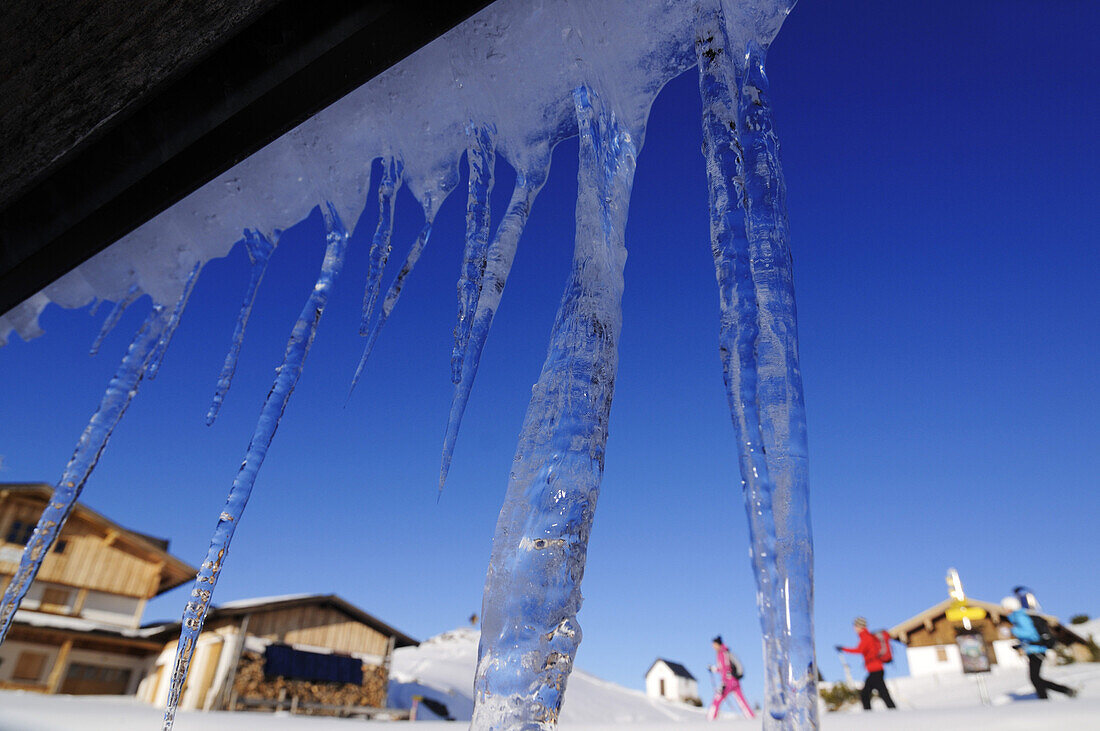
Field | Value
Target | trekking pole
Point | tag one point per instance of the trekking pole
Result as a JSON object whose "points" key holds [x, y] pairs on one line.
{"points": [[713, 688], [847, 670]]}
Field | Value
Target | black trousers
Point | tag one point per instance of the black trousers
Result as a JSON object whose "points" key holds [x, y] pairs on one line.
{"points": [[875, 681], [1042, 685]]}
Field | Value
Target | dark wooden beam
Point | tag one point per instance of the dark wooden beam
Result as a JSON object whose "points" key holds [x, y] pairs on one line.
{"points": [[269, 69]]}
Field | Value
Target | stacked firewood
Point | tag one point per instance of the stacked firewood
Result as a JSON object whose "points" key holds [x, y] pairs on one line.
{"points": [[250, 683]]}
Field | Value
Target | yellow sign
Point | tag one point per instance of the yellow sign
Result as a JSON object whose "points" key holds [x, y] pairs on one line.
{"points": [[958, 614]]}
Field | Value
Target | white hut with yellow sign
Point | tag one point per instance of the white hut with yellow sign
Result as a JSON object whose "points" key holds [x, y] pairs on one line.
{"points": [[929, 636]]}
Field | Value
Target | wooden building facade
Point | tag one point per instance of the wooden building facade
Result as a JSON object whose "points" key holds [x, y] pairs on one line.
{"points": [[78, 629], [313, 653], [929, 639]]}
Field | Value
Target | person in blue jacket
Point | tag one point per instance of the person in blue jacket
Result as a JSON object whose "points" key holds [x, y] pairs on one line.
{"points": [[1023, 629]]}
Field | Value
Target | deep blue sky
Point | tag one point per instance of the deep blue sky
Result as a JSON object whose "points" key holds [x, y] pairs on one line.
{"points": [[941, 163]]}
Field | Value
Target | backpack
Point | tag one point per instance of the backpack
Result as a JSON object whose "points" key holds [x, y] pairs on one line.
{"points": [[735, 667], [1042, 628], [885, 652]]}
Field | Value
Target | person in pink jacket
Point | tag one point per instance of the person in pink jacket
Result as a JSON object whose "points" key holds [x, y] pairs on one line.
{"points": [[729, 670]]}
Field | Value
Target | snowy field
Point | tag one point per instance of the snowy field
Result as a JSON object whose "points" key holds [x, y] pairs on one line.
{"points": [[442, 668], [32, 712]]}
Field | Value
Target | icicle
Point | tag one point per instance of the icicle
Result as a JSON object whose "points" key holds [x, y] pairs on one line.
{"points": [[392, 296], [286, 378], [120, 392], [380, 246], [498, 264], [779, 387], [115, 315], [532, 591], [718, 86], [157, 357], [481, 160], [259, 249], [758, 339]]}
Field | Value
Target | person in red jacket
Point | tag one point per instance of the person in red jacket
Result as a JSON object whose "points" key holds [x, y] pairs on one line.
{"points": [[870, 649]]}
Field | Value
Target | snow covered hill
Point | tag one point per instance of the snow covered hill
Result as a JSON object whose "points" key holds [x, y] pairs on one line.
{"points": [[442, 669]]}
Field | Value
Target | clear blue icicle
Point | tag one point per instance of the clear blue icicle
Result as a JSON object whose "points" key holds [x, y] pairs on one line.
{"points": [[157, 358], [114, 316], [498, 263], [758, 344], [286, 378], [779, 387], [532, 592], [719, 87], [383, 234], [391, 299], [259, 249], [481, 160], [120, 392]]}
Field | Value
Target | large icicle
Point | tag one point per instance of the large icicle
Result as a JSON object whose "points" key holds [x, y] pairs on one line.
{"points": [[259, 249], [287, 374], [383, 235], [157, 357], [392, 296], [114, 316], [779, 386], [532, 592], [749, 240], [481, 160], [120, 392], [719, 88], [498, 263]]}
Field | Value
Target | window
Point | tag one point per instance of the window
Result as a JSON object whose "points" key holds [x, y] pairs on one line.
{"points": [[95, 680], [941, 654], [662, 692], [29, 666], [20, 532], [56, 598]]}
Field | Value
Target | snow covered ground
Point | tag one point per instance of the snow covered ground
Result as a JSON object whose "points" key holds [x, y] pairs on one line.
{"points": [[442, 668]]}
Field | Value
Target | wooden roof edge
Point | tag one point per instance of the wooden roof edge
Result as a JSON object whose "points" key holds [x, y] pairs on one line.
{"points": [[333, 600], [917, 620], [176, 571], [992, 608]]}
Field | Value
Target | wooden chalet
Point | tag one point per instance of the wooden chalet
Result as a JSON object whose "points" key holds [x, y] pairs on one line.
{"points": [[929, 639], [78, 629], [309, 653]]}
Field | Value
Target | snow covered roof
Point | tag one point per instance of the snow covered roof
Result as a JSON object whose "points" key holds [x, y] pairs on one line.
{"points": [[77, 624], [677, 669], [240, 607], [250, 603]]}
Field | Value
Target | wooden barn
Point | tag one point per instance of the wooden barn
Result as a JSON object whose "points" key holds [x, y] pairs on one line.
{"points": [[311, 653], [930, 647], [78, 630]]}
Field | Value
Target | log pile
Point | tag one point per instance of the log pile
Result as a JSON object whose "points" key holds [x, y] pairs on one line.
{"points": [[250, 684]]}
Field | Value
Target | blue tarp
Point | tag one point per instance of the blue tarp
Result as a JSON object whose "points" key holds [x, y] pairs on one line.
{"points": [[299, 665]]}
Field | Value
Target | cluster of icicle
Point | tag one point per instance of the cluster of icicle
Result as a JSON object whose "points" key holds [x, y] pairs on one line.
{"points": [[514, 80]]}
